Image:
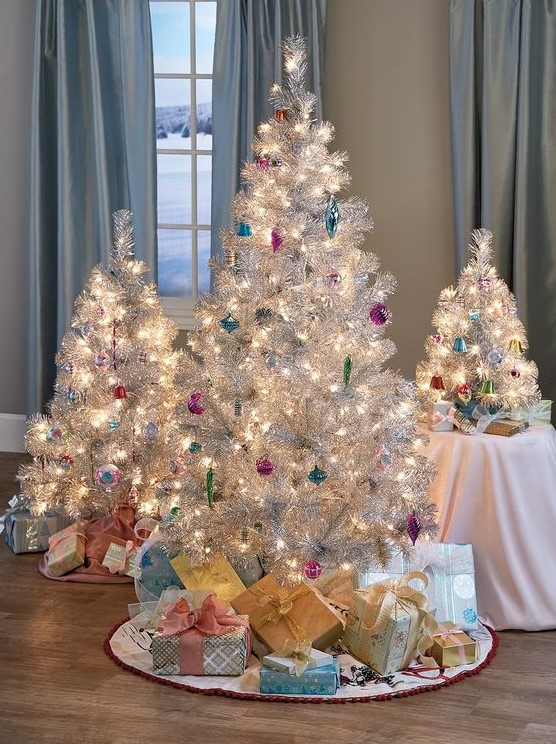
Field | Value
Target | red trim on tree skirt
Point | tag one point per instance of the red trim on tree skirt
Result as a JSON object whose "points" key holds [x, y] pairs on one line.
{"points": [[295, 699]]}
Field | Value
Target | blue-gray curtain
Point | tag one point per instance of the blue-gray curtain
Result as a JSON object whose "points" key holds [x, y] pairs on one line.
{"points": [[247, 61], [93, 152], [503, 109]]}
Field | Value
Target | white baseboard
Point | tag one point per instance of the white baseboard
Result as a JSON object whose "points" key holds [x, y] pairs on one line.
{"points": [[12, 431]]}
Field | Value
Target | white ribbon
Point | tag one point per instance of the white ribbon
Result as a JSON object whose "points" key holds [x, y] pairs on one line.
{"points": [[16, 504], [484, 418]]}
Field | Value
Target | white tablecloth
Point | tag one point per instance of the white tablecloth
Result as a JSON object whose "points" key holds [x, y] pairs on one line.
{"points": [[499, 494]]}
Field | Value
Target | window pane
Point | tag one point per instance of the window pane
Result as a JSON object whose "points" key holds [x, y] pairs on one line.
{"points": [[170, 32], [173, 114], [203, 255], [174, 263], [205, 24], [174, 189], [204, 114], [204, 173]]}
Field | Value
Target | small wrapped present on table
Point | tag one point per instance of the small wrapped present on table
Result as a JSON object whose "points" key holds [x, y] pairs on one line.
{"points": [[324, 680], [452, 647], [278, 613], [66, 550], [202, 641], [441, 416], [120, 559], [296, 658], [26, 533], [216, 576], [451, 573], [536, 415], [388, 625]]}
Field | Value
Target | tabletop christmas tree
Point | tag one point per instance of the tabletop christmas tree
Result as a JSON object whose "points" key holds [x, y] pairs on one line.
{"points": [[477, 353], [302, 447], [111, 436]]}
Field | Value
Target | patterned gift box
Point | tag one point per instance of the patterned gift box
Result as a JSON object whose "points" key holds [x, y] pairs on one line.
{"points": [[278, 614], [504, 428], [322, 681], [121, 559], [66, 550], [452, 647], [388, 625], [28, 534], [155, 572], [439, 416], [217, 576], [287, 665], [451, 573], [223, 655]]}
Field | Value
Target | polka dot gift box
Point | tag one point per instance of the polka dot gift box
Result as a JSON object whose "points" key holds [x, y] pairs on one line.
{"points": [[451, 573]]}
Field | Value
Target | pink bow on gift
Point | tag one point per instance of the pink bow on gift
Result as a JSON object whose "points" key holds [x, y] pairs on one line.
{"points": [[438, 418], [209, 619], [451, 635], [119, 566]]}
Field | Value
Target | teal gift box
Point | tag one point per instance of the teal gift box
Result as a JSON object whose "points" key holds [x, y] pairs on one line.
{"points": [[28, 534], [324, 680]]}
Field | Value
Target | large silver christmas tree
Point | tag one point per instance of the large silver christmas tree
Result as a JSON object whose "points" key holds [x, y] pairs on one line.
{"points": [[302, 447]]}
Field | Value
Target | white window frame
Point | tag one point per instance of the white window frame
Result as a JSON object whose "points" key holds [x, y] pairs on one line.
{"points": [[182, 309]]}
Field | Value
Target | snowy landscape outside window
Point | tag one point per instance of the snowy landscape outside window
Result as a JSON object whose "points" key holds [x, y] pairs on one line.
{"points": [[183, 45]]}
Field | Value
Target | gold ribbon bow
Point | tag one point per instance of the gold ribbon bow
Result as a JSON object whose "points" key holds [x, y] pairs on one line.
{"points": [[387, 594], [281, 603], [299, 651]]}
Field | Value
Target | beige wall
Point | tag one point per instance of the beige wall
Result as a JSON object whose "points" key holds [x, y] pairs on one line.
{"points": [[17, 26], [386, 92]]}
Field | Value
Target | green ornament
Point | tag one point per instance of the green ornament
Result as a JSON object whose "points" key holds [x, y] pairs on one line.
{"points": [[210, 487], [347, 370], [331, 216], [317, 476]]}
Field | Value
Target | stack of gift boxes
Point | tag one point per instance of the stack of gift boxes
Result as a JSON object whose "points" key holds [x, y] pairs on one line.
{"points": [[419, 609]]}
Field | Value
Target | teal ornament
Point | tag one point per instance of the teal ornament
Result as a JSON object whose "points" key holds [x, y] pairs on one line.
{"points": [[474, 316], [174, 513], [56, 434], [74, 396], [244, 230], [317, 476], [331, 216], [229, 323], [347, 369], [195, 447], [210, 487], [113, 424], [460, 347]]}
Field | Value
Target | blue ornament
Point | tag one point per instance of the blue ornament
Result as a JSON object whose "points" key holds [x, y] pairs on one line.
{"points": [[460, 347], [469, 615], [113, 424], [151, 431], [195, 447], [73, 396], [474, 315], [229, 323], [244, 230], [317, 476], [331, 216]]}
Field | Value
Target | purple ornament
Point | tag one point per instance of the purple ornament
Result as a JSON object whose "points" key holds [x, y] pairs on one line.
{"points": [[413, 527], [194, 404], [379, 314], [312, 569], [265, 467], [69, 368], [101, 361], [276, 239]]}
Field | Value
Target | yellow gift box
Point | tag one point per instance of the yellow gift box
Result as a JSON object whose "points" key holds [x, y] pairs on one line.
{"points": [[216, 576], [278, 614], [452, 647]]}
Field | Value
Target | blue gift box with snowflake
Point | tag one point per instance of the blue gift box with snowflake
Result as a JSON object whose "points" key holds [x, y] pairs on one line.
{"points": [[155, 572], [450, 570], [324, 680]]}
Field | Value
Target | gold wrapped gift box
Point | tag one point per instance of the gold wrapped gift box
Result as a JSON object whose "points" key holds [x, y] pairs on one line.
{"points": [[278, 613], [452, 647], [216, 576]]}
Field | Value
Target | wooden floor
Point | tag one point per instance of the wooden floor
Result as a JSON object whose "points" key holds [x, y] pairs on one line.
{"points": [[58, 686]]}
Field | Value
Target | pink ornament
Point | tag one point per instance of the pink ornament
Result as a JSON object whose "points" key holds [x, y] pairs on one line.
{"points": [[265, 467], [332, 279], [263, 163], [276, 240], [133, 496], [485, 282], [178, 465], [194, 404], [413, 527], [107, 475], [438, 338], [379, 314], [101, 361], [312, 569]]}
